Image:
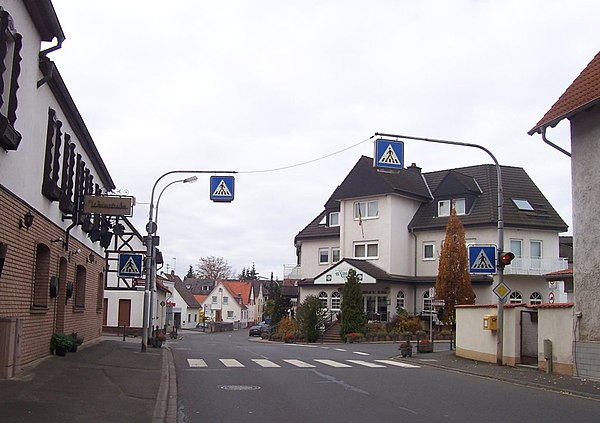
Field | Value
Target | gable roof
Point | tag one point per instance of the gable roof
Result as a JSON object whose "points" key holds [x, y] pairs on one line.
{"points": [[186, 294], [241, 289], [583, 93], [516, 184]]}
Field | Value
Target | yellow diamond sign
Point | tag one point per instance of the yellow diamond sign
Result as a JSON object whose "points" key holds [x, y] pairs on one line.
{"points": [[501, 290]]}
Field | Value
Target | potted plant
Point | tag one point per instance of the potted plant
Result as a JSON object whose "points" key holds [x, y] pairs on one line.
{"points": [[76, 341], [159, 338], [60, 343], [405, 346]]}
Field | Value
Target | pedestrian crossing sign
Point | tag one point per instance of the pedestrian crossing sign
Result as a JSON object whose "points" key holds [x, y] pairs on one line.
{"points": [[130, 265], [222, 189], [389, 154], [482, 259]]}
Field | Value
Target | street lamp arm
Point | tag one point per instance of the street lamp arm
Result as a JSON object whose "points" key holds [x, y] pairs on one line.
{"points": [[179, 171]]}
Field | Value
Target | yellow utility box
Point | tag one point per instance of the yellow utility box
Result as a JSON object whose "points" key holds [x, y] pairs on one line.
{"points": [[490, 322]]}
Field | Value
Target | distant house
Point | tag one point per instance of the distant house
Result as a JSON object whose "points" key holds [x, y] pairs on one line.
{"points": [[229, 301], [184, 310], [389, 227], [580, 103]]}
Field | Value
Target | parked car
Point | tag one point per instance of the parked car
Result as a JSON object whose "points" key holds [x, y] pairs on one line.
{"points": [[259, 329]]}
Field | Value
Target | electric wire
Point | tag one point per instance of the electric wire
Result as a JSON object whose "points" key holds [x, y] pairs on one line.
{"points": [[277, 169]]}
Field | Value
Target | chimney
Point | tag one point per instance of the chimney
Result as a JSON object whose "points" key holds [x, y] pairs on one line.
{"points": [[414, 168]]}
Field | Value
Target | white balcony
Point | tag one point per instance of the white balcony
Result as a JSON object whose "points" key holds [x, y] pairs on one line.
{"points": [[292, 271], [535, 266]]}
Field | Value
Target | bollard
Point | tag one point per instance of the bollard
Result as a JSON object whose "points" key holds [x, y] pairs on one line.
{"points": [[548, 354], [124, 332]]}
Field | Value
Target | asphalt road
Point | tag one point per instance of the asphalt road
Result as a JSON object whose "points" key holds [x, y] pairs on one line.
{"points": [[227, 377]]}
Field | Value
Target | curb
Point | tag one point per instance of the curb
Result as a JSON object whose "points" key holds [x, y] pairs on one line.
{"points": [[165, 410]]}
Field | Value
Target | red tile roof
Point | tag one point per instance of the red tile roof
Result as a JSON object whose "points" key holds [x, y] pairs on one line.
{"points": [[581, 94], [241, 288]]}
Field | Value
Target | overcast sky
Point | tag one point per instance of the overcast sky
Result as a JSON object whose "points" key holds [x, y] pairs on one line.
{"points": [[257, 85]]}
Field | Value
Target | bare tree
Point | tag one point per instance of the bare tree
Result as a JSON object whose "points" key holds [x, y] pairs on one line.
{"points": [[212, 267]]}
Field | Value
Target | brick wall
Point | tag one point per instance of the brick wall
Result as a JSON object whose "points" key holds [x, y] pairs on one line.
{"points": [[19, 274]]}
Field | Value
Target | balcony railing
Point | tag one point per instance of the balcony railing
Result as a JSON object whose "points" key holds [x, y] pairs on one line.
{"points": [[292, 271], [535, 266]]}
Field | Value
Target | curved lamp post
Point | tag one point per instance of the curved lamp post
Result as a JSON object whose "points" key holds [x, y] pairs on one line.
{"points": [[189, 180], [151, 250], [500, 269]]}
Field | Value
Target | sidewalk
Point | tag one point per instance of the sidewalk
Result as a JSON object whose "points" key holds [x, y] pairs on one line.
{"points": [[110, 381], [519, 375]]}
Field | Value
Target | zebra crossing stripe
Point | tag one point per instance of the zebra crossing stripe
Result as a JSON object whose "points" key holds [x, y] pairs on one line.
{"points": [[196, 362], [365, 363], [230, 362], [398, 364], [265, 363], [298, 363], [332, 363]]}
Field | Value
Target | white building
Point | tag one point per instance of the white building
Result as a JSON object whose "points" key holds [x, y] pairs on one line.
{"points": [[389, 227]]}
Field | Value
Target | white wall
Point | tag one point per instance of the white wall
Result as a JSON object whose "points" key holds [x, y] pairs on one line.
{"points": [[554, 323]]}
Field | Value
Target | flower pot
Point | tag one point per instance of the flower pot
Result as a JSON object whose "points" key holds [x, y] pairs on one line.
{"points": [[62, 351]]}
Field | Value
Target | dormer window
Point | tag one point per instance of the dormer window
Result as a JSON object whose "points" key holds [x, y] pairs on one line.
{"points": [[458, 204], [334, 219]]}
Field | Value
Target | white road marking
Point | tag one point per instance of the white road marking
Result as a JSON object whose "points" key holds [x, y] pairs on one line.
{"points": [[298, 363], [265, 363], [365, 363], [361, 353], [332, 363], [398, 364], [230, 362], [196, 362]]}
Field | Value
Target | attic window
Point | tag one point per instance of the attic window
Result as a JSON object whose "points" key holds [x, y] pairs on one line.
{"points": [[458, 204], [523, 205]]}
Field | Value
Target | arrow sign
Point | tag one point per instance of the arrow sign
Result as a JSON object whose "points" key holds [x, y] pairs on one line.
{"points": [[482, 259], [222, 189], [130, 265]]}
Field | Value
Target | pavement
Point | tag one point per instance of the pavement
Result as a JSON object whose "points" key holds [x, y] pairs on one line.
{"points": [[107, 380], [111, 380]]}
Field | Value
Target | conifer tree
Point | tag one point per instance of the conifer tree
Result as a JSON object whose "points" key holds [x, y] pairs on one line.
{"points": [[453, 283], [353, 316]]}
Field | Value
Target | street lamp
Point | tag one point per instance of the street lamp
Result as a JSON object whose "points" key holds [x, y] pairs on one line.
{"points": [[500, 269], [151, 251], [189, 180]]}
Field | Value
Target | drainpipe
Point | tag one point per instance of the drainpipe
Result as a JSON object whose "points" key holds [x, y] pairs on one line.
{"points": [[42, 57], [550, 143]]}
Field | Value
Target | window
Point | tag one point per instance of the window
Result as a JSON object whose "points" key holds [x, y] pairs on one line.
{"points": [[426, 301], [230, 314], [335, 255], [516, 247], [10, 68], [515, 298], [535, 298], [323, 255], [429, 251], [189, 317], [214, 299], [334, 219], [41, 283], [336, 300], [225, 300], [535, 251], [366, 250], [400, 300], [522, 205], [458, 204], [80, 277], [366, 210], [323, 297]]}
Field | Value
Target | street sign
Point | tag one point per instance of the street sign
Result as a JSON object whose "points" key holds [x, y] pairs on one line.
{"points": [[130, 265], [482, 259], [222, 189], [551, 297], [501, 291], [438, 303], [389, 154]]}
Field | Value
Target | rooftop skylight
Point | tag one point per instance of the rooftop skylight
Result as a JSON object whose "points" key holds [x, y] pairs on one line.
{"points": [[522, 205]]}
